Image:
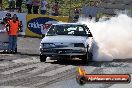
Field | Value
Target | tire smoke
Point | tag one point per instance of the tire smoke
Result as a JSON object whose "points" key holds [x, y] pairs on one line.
{"points": [[113, 37]]}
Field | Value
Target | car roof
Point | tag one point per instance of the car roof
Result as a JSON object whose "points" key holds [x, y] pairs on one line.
{"points": [[68, 24]]}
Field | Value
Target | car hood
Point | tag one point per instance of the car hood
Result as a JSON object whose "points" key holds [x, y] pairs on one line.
{"points": [[64, 39]]}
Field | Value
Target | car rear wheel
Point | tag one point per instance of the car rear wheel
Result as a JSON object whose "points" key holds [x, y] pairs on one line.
{"points": [[43, 58]]}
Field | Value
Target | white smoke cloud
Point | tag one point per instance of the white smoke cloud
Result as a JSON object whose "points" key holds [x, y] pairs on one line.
{"points": [[113, 37]]}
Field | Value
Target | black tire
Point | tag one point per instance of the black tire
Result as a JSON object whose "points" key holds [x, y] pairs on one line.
{"points": [[87, 58], [16, 50], [90, 57], [43, 58]]}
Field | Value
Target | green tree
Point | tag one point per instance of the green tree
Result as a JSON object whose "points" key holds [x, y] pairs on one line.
{"points": [[66, 5]]}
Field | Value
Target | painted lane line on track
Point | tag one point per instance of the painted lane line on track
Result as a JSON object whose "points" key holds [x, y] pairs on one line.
{"points": [[25, 67], [56, 71]]}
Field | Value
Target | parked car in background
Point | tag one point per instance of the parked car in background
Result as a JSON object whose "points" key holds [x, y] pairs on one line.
{"points": [[67, 40]]}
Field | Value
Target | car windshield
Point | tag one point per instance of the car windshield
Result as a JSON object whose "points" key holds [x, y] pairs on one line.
{"points": [[77, 30]]}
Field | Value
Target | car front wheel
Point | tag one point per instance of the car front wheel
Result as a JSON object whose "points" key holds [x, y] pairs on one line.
{"points": [[16, 50], [87, 57], [43, 58]]}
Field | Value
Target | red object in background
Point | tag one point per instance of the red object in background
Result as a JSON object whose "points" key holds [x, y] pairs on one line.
{"points": [[47, 26], [13, 27]]}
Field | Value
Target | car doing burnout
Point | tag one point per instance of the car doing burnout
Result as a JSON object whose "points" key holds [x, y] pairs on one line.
{"points": [[67, 40]]}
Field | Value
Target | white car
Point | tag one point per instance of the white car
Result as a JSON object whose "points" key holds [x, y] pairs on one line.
{"points": [[67, 40], [3, 38]]}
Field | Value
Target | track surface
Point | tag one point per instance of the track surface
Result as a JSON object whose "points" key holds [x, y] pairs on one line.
{"points": [[24, 70]]}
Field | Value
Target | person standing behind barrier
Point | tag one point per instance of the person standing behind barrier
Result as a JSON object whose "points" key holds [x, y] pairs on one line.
{"points": [[11, 5], [90, 11], [6, 19], [36, 4], [13, 32], [19, 5], [5, 22], [29, 6], [44, 4], [76, 14], [0, 4], [55, 9]]}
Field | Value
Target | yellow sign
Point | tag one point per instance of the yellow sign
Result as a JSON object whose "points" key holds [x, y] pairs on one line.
{"points": [[39, 24]]}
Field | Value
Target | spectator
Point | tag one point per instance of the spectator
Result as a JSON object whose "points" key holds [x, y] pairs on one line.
{"points": [[29, 6], [76, 14], [55, 9], [19, 5], [5, 21], [11, 4], [0, 4], [44, 4], [36, 4], [90, 11], [14, 28]]}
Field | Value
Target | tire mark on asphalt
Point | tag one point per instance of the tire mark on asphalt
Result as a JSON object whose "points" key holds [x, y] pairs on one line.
{"points": [[11, 74], [43, 80], [16, 80], [59, 70], [9, 65], [12, 66], [24, 67], [70, 74], [36, 79]]}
